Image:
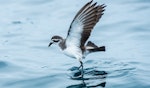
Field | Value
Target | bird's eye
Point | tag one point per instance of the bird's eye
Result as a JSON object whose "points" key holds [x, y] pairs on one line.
{"points": [[55, 40]]}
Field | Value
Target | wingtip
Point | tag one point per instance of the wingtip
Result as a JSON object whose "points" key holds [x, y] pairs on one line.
{"points": [[95, 4], [103, 5], [91, 1], [101, 8]]}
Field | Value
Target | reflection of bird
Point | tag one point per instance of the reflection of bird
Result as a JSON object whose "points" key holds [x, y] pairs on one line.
{"points": [[93, 79], [79, 31]]}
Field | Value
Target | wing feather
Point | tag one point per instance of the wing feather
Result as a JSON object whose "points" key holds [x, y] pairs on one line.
{"points": [[83, 23]]}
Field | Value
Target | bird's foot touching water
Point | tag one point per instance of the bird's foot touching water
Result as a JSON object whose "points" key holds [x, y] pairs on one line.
{"points": [[81, 67], [78, 72]]}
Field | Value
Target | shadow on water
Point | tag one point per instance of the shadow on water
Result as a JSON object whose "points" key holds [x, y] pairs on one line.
{"points": [[91, 78]]}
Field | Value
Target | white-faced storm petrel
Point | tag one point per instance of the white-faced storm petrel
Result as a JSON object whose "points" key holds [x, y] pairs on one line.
{"points": [[74, 45]]}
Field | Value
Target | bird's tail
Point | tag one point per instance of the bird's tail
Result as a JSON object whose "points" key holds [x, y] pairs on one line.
{"points": [[102, 48], [95, 48]]}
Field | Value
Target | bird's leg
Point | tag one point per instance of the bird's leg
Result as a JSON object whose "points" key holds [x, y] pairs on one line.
{"points": [[81, 66]]}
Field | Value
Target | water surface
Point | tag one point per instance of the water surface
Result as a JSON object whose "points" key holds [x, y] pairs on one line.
{"points": [[26, 62]]}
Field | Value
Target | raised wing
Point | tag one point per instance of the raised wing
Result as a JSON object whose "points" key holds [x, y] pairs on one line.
{"points": [[83, 23]]}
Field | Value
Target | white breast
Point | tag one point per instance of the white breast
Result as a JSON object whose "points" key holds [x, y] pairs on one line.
{"points": [[73, 52]]}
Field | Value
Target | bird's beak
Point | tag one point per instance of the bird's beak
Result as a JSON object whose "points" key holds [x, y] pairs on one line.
{"points": [[50, 44]]}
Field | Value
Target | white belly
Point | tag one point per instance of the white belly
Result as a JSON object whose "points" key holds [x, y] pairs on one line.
{"points": [[73, 52]]}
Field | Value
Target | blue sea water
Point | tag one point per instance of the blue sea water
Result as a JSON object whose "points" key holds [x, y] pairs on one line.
{"points": [[26, 27]]}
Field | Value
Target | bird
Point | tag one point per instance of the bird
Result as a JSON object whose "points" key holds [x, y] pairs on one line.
{"points": [[75, 44]]}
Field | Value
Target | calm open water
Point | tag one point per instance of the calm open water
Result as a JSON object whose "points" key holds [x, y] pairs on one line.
{"points": [[26, 27]]}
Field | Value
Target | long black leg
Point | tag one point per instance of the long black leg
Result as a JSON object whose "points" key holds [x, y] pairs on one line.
{"points": [[81, 66]]}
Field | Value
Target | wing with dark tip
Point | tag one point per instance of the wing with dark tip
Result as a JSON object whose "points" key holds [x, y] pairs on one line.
{"points": [[83, 23]]}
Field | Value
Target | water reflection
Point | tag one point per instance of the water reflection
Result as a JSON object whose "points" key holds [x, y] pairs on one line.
{"points": [[90, 78]]}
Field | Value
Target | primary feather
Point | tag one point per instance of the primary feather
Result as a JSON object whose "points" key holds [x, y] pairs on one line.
{"points": [[83, 23]]}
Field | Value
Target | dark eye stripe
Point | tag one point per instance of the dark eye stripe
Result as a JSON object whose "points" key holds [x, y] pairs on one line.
{"points": [[55, 40]]}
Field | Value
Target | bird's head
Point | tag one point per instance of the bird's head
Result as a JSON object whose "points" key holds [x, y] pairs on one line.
{"points": [[55, 40]]}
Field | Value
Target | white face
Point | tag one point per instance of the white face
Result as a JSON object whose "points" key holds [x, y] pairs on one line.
{"points": [[55, 40]]}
